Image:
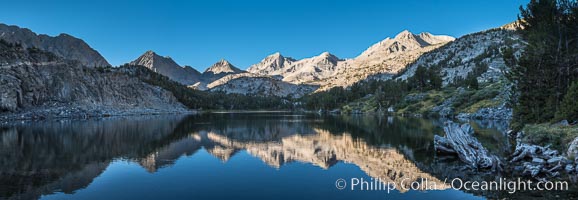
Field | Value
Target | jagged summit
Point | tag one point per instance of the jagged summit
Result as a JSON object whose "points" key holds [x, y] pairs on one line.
{"points": [[219, 70], [153, 61], [323, 58], [327, 55], [152, 55], [425, 38], [405, 34], [274, 56], [404, 41], [296, 71], [150, 52], [64, 35], [435, 39], [311, 69], [148, 55], [273, 64], [223, 66], [513, 25], [168, 67]]}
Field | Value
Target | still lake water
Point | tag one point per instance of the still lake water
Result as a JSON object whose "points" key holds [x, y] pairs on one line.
{"points": [[231, 156]]}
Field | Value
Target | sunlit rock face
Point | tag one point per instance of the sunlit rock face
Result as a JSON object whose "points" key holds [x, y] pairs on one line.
{"points": [[461, 57], [397, 56], [168, 67], [274, 64], [252, 84], [327, 70], [219, 70]]}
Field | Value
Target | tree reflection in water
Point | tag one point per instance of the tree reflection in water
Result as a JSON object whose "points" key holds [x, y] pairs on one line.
{"points": [[64, 156]]}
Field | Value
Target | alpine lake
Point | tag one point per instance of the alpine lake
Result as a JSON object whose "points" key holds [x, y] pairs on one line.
{"points": [[244, 155]]}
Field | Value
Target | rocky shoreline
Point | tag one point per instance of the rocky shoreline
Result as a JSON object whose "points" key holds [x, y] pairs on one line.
{"points": [[65, 112], [527, 160]]}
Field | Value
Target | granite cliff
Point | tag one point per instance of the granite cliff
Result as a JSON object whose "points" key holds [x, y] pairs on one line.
{"points": [[63, 45], [39, 84]]}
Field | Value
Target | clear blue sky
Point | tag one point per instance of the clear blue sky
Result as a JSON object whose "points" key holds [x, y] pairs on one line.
{"points": [[199, 33]]}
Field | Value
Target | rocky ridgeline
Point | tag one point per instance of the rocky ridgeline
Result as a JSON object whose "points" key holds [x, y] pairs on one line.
{"points": [[385, 58], [294, 71], [37, 84], [168, 67], [326, 70], [401, 54], [63, 45]]}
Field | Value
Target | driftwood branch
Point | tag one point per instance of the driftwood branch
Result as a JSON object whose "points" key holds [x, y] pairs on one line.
{"points": [[459, 140]]}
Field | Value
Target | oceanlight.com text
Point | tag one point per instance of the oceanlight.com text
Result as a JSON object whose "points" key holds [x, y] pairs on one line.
{"points": [[503, 184]]}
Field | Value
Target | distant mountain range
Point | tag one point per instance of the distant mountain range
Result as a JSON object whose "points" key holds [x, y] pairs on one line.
{"points": [[321, 72], [276, 74]]}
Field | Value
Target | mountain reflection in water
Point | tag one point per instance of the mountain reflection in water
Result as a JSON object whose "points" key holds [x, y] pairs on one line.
{"points": [[64, 157]]}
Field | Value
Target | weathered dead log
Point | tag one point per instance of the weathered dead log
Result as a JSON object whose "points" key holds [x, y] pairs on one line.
{"points": [[460, 140], [443, 145], [537, 161]]}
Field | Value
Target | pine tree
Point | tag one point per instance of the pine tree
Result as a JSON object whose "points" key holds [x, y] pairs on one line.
{"points": [[548, 63], [421, 78], [473, 82], [569, 107], [435, 80]]}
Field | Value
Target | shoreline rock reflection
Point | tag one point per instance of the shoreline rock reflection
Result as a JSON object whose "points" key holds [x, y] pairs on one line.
{"points": [[66, 156]]}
